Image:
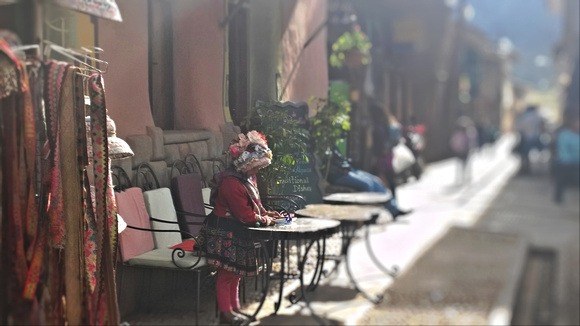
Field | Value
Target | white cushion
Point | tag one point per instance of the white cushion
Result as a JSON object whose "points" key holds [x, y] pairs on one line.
{"points": [[162, 258], [159, 204]]}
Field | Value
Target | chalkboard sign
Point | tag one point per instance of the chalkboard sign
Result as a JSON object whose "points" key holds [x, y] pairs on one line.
{"points": [[303, 180]]}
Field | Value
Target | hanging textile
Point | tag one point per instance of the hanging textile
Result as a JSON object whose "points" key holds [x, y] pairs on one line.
{"points": [[58, 231], [54, 74], [71, 117], [22, 246], [36, 222], [104, 297], [81, 217], [35, 71]]}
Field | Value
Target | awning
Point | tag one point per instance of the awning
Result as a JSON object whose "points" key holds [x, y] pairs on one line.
{"points": [[99, 8], [7, 2]]}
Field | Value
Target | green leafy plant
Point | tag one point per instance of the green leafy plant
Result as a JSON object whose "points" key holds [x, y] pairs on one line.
{"points": [[331, 121], [287, 138], [350, 44]]}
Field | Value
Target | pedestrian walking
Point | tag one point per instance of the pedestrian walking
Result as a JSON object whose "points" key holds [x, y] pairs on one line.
{"points": [[462, 142], [567, 156]]}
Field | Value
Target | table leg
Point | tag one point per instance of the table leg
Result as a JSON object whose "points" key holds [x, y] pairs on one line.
{"points": [[266, 286], [393, 271], [344, 230], [302, 288], [318, 269], [319, 265], [348, 235], [282, 277]]}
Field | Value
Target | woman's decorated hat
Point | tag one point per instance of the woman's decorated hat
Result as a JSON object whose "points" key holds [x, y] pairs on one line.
{"points": [[250, 152]]}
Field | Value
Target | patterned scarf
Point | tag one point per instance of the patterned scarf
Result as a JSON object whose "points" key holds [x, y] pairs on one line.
{"points": [[104, 297], [54, 76]]}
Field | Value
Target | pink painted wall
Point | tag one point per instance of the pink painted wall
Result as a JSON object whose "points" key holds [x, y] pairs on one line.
{"points": [[311, 75], [127, 80], [198, 56]]}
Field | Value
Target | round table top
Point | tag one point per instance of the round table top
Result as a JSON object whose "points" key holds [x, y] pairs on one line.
{"points": [[299, 228], [351, 213], [358, 198]]}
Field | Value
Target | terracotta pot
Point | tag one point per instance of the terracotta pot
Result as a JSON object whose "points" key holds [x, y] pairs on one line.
{"points": [[353, 59]]}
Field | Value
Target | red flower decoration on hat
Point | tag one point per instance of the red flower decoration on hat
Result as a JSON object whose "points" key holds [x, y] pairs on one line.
{"points": [[239, 145]]}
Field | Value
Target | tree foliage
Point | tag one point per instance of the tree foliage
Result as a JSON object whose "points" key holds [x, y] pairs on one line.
{"points": [[287, 138], [332, 119]]}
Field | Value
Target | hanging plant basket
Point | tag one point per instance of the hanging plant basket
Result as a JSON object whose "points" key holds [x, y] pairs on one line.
{"points": [[352, 49]]}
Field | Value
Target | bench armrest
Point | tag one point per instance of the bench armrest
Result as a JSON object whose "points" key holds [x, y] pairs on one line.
{"points": [[189, 235]]}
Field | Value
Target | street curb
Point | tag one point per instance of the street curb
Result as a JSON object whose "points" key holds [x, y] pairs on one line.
{"points": [[502, 310]]}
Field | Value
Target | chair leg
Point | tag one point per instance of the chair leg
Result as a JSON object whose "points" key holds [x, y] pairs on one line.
{"points": [[243, 289], [198, 274], [121, 288], [216, 309]]}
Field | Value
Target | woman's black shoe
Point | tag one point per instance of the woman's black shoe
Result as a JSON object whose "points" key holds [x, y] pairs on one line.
{"points": [[233, 319], [249, 317]]}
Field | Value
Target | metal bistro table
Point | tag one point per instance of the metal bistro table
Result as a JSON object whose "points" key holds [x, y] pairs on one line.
{"points": [[352, 210], [300, 229], [351, 218], [358, 198], [365, 198]]}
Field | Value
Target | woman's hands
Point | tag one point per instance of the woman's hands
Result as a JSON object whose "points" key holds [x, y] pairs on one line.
{"points": [[274, 214], [269, 218], [272, 217]]}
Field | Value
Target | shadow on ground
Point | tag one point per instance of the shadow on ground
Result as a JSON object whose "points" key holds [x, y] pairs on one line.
{"points": [[326, 293]]}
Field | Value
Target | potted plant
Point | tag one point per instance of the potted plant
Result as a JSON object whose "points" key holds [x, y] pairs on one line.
{"points": [[287, 138], [352, 49]]}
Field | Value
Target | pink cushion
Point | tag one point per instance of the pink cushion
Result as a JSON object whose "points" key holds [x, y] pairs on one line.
{"points": [[131, 207]]}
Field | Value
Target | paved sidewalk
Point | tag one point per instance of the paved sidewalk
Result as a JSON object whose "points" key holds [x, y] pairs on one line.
{"points": [[526, 208], [461, 258], [469, 277]]}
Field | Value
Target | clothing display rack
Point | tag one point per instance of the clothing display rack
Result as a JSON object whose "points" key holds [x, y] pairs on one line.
{"points": [[76, 56], [58, 217]]}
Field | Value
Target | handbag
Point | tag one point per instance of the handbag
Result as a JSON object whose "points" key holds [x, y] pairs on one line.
{"points": [[403, 158]]}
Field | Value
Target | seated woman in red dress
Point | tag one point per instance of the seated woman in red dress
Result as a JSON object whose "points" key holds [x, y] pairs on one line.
{"points": [[237, 204]]}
